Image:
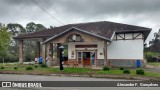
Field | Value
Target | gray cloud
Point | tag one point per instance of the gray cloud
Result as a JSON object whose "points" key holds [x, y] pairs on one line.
{"points": [[108, 7], [137, 12]]}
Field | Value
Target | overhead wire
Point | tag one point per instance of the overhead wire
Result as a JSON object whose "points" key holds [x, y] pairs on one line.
{"points": [[42, 8], [51, 5]]}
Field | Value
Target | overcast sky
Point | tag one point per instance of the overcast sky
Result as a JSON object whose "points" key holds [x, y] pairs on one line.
{"points": [[61, 12]]}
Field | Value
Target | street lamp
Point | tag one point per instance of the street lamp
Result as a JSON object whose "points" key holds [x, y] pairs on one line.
{"points": [[61, 48]]}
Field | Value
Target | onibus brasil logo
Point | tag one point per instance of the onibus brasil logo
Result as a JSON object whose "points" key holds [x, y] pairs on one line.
{"points": [[19, 84]]}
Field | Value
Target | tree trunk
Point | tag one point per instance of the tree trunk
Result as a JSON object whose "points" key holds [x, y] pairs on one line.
{"points": [[3, 60]]}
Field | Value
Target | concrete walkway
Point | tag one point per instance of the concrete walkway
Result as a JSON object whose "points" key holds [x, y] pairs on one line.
{"points": [[153, 68]]}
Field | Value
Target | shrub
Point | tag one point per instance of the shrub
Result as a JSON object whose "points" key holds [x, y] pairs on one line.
{"points": [[44, 66], [121, 68], [140, 72], [15, 68], [106, 68], [29, 68], [126, 71], [35, 66], [2, 67]]}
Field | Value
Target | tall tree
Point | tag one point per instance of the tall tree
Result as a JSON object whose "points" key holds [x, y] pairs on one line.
{"points": [[155, 43], [32, 27], [4, 40], [30, 46], [15, 29]]}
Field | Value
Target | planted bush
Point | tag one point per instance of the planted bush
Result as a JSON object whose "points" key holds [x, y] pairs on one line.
{"points": [[2, 67], [126, 71], [15, 68], [29, 68], [44, 66], [35, 66], [106, 68], [140, 71], [121, 68]]}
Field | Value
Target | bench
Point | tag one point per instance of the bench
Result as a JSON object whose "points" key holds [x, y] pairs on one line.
{"points": [[69, 63], [75, 63], [86, 63]]}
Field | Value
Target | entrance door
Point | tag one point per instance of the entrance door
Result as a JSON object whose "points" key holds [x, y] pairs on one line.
{"points": [[86, 56]]}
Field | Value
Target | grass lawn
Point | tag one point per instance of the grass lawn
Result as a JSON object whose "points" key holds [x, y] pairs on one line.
{"points": [[154, 63], [46, 71], [111, 71], [152, 74]]}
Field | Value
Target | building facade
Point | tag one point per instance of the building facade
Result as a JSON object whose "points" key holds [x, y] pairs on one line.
{"points": [[101, 43]]}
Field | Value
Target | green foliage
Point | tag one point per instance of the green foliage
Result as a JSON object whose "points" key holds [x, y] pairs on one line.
{"points": [[140, 71], [16, 28], [30, 46], [4, 40], [2, 67], [15, 68], [121, 68], [32, 27], [126, 71], [35, 66], [9, 58], [65, 50], [29, 68], [44, 66], [106, 68], [29, 55], [150, 55]]}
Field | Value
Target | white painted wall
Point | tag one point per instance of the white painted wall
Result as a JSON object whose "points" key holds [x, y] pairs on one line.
{"points": [[71, 47], [128, 49]]}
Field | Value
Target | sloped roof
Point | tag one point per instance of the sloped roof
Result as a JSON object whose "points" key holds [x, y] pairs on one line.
{"points": [[103, 28]]}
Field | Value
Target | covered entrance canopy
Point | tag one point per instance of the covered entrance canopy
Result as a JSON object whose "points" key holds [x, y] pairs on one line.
{"points": [[84, 37]]}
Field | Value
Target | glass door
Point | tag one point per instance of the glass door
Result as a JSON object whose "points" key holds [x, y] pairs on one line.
{"points": [[86, 56], [93, 58], [79, 57]]}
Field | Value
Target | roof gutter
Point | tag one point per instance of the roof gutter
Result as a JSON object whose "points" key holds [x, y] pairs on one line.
{"points": [[132, 30]]}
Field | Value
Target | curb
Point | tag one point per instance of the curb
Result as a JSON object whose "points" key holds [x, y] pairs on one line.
{"points": [[127, 77]]}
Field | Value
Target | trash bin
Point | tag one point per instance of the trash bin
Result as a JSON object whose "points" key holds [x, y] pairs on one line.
{"points": [[40, 60], [138, 63]]}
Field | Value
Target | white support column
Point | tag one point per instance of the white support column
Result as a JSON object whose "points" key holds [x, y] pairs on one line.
{"points": [[21, 51]]}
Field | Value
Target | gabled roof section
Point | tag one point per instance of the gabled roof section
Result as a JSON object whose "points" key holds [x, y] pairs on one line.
{"points": [[55, 36], [103, 28]]}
